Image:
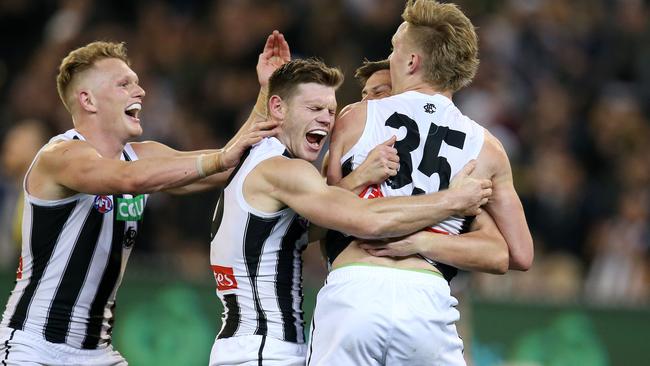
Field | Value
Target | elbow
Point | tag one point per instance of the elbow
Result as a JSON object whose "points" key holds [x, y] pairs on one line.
{"points": [[369, 228], [522, 262], [502, 264], [134, 183], [527, 263]]}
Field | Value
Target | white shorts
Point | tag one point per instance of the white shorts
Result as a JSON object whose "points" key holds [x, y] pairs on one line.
{"points": [[371, 315], [256, 350], [21, 348]]}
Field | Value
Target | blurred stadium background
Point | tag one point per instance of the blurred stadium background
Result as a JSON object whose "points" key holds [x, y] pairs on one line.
{"points": [[564, 84]]}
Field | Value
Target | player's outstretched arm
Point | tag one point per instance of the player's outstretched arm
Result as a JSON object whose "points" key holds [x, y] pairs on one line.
{"points": [[339, 209], [75, 166], [483, 249]]}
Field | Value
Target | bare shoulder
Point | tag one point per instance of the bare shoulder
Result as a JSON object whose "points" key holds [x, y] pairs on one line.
{"points": [[58, 159], [280, 170], [493, 159], [356, 107], [61, 152], [350, 122], [276, 181]]}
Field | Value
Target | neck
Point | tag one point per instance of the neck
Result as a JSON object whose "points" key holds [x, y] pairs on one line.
{"points": [[106, 144], [425, 88], [285, 141]]}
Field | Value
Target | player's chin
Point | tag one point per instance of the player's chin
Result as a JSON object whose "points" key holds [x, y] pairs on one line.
{"points": [[135, 130], [311, 152]]}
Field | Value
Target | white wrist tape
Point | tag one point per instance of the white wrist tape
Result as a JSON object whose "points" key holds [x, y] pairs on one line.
{"points": [[199, 166]]}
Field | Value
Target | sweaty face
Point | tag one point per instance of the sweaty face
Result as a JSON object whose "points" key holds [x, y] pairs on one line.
{"points": [[117, 97], [308, 120], [378, 86]]}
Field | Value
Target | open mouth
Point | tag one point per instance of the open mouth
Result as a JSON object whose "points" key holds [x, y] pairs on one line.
{"points": [[133, 110], [315, 137]]}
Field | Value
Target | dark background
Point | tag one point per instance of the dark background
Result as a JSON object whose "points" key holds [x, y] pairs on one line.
{"points": [[564, 84]]}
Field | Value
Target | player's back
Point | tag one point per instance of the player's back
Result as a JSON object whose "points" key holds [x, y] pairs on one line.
{"points": [[434, 141]]}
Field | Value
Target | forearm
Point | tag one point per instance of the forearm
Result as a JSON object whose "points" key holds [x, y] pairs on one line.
{"points": [[166, 174], [399, 216], [259, 113], [353, 183], [471, 251], [511, 221]]}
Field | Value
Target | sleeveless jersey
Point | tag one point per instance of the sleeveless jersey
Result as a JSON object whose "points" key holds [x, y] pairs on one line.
{"points": [[434, 141], [256, 258], [73, 257]]}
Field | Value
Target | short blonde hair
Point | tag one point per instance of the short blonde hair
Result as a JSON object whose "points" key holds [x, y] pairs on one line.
{"points": [[447, 39], [84, 58]]}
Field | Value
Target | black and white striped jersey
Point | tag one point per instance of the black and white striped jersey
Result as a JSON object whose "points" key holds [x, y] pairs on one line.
{"points": [[256, 259], [434, 141], [73, 257]]}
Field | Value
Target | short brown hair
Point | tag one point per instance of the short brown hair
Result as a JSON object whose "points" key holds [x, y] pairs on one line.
{"points": [[82, 59], [448, 40], [365, 71], [284, 80]]}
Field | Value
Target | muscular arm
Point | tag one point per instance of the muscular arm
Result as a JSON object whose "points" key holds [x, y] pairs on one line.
{"points": [[483, 249], [498, 241], [504, 205], [149, 149], [336, 208], [75, 166]]}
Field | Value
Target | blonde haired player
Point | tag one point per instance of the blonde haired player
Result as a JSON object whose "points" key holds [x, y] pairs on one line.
{"points": [[259, 235], [85, 193], [383, 304]]}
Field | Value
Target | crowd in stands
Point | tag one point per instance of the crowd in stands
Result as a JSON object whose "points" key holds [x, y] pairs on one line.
{"points": [[564, 84]]}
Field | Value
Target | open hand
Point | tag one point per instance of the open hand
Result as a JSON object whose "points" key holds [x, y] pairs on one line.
{"points": [[259, 130], [275, 54]]}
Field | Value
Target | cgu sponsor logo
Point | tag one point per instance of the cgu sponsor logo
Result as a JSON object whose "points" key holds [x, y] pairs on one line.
{"points": [[103, 204], [225, 278], [130, 209]]}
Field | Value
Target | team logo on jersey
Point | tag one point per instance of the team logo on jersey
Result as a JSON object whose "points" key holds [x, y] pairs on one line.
{"points": [[130, 209], [129, 237], [371, 191], [103, 204], [430, 108], [225, 278]]}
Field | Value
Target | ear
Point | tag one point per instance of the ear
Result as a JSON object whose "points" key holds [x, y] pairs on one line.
{"points": [[414, 63], [87, 101], [276, 108]]}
